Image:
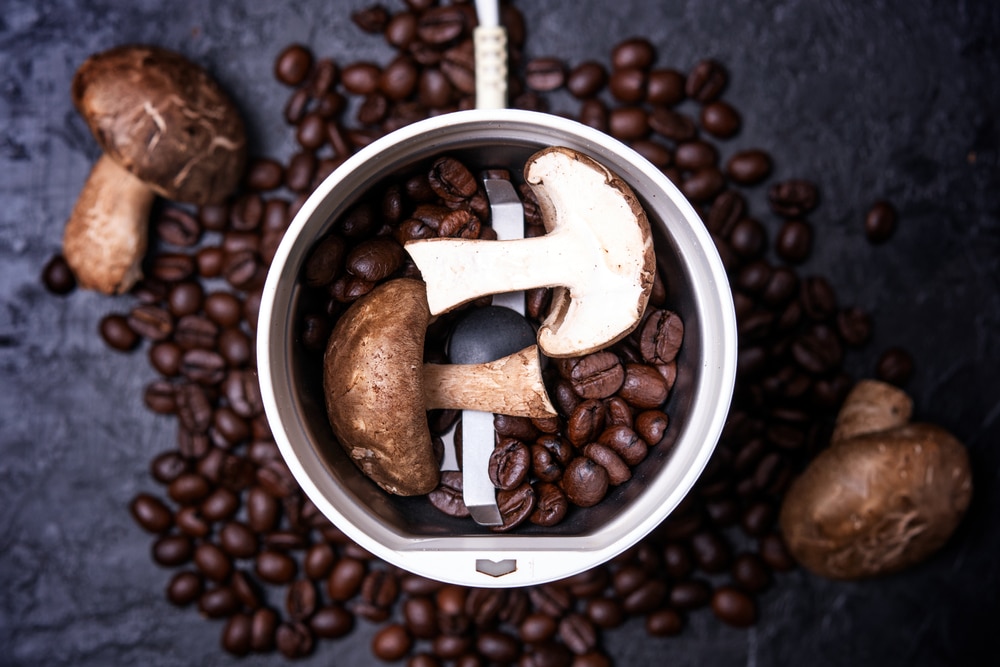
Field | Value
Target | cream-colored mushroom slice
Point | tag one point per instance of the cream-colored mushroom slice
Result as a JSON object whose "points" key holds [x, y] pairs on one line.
{"points": [[597, 253], [378, 389]]}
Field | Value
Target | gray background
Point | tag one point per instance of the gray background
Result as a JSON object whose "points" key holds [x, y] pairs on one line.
{"points": [[895, 99]]}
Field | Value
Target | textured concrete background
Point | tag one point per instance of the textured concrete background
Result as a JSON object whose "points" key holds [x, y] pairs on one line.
{"points": [[896, 99]]}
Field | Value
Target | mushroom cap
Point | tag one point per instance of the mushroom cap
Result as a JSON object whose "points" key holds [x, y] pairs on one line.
{"points": [[877, 503], [165, 120], [374, 386]]}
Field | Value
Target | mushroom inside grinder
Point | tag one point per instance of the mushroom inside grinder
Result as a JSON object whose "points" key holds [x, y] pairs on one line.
{"points": [[378, 389], [597, 253]]}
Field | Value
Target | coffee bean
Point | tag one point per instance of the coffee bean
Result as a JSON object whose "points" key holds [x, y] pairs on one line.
{"points": [[894, 366], [795, 240], [628, 123], [628, 85], [633, 52], [706, 81], [293, 64], [596, 375], [618, 471], [391, 642], [818, 350], [703, 185], [447, 497], [515, 505], [734, 607], [151, 513], [747, 237], [578, 633], [184, 588], [345, 579], [195, 332], [793, 198], [748, 167], [442, 25], [584, 482], [665, 87], [117, 334], [177, 227], [854, 326], [880, 222], [695, 155], [451, 180], [331, 622], [57, 276], [720, 119], [509, 464], [594, 113], [664, 622], [661, 337], [586, 79], [751, 573], [643, 387], [544, 74], [625, 442], [151, 322], [375, 259], [690, 594], [294, 640], [173, 550]]}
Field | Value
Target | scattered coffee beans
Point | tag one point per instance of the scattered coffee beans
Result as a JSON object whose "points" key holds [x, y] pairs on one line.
{"points": [[244, 542]]}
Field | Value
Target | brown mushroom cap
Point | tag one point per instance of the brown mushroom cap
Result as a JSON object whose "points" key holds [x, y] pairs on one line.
{"points": [[878, 502], [164, 119], [373, 379]]}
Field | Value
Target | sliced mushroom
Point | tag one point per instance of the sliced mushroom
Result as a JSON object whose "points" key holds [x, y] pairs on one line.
{"points": [[166, 128], [597, 253], [378, 389]]}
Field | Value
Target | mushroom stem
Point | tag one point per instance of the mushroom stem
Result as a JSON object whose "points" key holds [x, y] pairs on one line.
{"points": [[105, 237], [511, 385], [871, 407]]}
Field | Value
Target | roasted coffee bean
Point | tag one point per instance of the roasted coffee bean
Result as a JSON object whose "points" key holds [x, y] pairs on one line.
{"points": [[727, 209], [544, 74], [172, 267], [646, 597], [191, 522], [212, 561], [238, 540], [720, 119], [625, 442], [459, 66], [293, 64], [398, 80], [665, 87], [703, 185], [734, 607], [293, 640], [618, 471], [817, 350], [794, 241], [509, 464], [451, 180], [628, 85], [203, 366], [854, 326], [195, 332], [275, 478], [706, 81], [880, 222], [748, 167], [177, 227], [235, 347], [661, 337], [218, 602], [751, 573], [596, 375], [655, 152], [331, 622], [519, 428], [551, 505], [628, 123], [184, 588], [619, 413], [586, 421], [711, 551], [447, 497], [643, 387], [633, 52], [586, 79], [57, 276], [594, 113], [275, 567], [151, 322], [173, 550], [584, 482], [651, 425], [345, 580], [391, 642], [793, 198], [747, 237], [695, 155], [664, 622], [515, 505], [375, 259], [441, 25], [894, 366], [151, 513], [220, 504], [117, 334], [185, 298], [209, 260], [689, 595]]}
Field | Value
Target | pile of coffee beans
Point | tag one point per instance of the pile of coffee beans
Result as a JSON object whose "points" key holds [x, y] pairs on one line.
{"points": [[243, 543], [610, 402]]}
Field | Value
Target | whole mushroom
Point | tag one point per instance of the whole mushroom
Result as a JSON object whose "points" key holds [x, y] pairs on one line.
{"points": [[166, 128], [885, 495]]}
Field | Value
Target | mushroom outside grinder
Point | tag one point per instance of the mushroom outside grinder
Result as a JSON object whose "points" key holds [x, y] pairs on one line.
{"points": [[407, 532]]}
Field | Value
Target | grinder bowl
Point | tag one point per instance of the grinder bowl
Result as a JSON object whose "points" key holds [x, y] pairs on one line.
{"points": [[407, 532]]}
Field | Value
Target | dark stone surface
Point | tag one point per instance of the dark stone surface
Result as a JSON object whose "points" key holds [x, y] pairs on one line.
{"points": [[897, 99]]}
